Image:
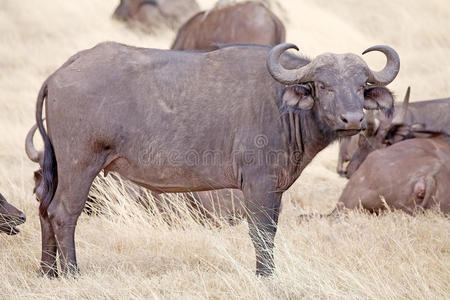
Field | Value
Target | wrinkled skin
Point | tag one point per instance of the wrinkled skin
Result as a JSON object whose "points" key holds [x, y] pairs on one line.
{"points": [[175, 121], [431, 114], [410, 175], [153, 14], [248, 22], [10, 217]]}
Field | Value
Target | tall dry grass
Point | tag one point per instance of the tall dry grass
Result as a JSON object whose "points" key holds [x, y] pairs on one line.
{"points": [[130, 253]]}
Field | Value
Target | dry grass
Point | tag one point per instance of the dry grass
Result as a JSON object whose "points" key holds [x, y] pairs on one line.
{"points": [[127, 253]]}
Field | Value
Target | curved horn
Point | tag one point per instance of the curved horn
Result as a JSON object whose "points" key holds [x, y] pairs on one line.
{"points": [[400, 118], [281, 74], [31, 151], [390, 71]]}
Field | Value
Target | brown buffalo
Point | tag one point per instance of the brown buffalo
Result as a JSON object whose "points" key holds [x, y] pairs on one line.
{"points": [[10, 217], [242, 117], [153, 14], [410, 175], [248, 22], [432, 114]]}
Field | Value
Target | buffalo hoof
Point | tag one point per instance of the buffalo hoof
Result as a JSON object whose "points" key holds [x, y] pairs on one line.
{"points": [[48, 272], [70, 271], [264, 273]]}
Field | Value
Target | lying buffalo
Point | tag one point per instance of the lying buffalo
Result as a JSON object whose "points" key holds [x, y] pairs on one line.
{"points": [[248, 22], [224, 204], [433, 114], [153, 14], [10, 217], [176, 121], [410, 175]]}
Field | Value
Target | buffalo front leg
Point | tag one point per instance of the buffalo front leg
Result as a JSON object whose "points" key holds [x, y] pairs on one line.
{"points": [[263, 210], [48, 257]]}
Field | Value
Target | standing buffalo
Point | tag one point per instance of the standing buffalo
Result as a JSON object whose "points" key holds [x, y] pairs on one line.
{"points": [[409, 175], [432, 114], [247, 22], [10, 217], [153, 14], [175, 121]]}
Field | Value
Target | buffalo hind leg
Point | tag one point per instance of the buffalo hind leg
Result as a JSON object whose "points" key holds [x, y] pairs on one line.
{"points": [[48, 258], [64, 210], [263, 210]]}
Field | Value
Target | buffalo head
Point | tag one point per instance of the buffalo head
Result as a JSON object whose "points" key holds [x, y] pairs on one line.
{"points": [[381, 132], [10, 217], [337, 86]]}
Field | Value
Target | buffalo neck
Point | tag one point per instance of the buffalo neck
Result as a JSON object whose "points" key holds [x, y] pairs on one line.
{"points": [[306, 135]]}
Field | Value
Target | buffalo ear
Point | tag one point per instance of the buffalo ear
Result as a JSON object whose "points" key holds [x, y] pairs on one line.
{"points": [[378, 97], [298, 96]]}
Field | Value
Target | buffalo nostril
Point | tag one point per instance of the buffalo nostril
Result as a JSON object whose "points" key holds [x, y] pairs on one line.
{"points": [[352, 119]]}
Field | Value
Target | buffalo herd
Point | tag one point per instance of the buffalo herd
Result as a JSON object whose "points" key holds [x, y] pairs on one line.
{"points": [[232, 122]]}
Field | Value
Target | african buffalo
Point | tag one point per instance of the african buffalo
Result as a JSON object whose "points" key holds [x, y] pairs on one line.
{"points": [[433, 114], [153, 14], [247, 22], [10, 217], [182, 121], [410, 175]]}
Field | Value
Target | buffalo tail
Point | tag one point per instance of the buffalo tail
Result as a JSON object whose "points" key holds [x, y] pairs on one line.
{"points": [[49, 169]]}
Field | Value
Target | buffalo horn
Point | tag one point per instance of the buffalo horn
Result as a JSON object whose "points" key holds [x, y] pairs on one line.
{"points": [[390, 71]]}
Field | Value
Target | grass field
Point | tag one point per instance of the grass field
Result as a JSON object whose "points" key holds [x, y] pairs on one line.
{"points": [[128, 254]]}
